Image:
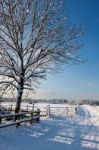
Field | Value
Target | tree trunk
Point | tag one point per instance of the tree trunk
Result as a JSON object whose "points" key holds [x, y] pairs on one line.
{"points": [[19, 98], [18, 103]]}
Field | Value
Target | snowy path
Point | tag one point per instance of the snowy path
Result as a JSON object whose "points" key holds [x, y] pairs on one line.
{"points": [[57, 133]]}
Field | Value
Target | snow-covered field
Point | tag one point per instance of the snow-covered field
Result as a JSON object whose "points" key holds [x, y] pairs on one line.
{"points": [[83, 110], [58, 109], [80, 132]]}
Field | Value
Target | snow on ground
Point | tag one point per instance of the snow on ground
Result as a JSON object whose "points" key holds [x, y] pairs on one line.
{"points": [[54, 108], [80, 132], [83, 110], [93, 110], [56, 133]]}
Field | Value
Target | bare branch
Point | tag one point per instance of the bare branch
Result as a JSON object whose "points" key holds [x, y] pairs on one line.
{"points": [[35, 37], [2, 82]]}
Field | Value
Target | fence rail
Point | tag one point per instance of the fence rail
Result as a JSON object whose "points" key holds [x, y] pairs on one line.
{"points": [[33, 116], [47, 110]]}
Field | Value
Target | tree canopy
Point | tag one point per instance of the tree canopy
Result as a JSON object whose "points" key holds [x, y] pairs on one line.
{"points": [[35, 37]]}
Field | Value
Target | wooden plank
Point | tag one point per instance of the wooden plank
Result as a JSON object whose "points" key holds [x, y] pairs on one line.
{"points": [[34, 115], [20, 121], [19, 114]]}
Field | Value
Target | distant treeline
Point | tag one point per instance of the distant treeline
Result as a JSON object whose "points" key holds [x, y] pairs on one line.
{"points": [[86, 102], [55, 101]]}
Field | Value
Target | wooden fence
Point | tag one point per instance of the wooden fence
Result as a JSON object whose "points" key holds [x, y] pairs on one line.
{"points": [[22, 117], [46, 111]]}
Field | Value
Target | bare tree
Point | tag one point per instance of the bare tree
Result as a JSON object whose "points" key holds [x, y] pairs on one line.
{"points": [[34, 37]]}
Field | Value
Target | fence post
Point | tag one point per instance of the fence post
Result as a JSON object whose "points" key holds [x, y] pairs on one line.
{"points": [[38, 114], [67, 111], [48, 110], [11, 108], [0, 111], [27, 107], [33, 106], [31, 118], [0, 119]]}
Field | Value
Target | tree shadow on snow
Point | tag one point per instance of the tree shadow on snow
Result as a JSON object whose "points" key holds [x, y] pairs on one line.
{"points": [[58, 133]]}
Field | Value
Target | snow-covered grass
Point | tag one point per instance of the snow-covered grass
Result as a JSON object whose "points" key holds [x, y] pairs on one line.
{"points": [[83, 110], [56, 133], [54, 108], [93, 110], [79, 132]]}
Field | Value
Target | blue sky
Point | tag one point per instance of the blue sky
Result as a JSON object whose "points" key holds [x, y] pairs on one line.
{"points": [[78, 81]]}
